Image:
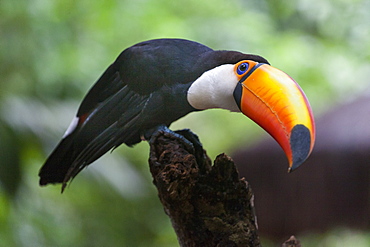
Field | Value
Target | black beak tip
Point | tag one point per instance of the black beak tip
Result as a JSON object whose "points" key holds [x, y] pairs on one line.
{"points": [[300, 143]]}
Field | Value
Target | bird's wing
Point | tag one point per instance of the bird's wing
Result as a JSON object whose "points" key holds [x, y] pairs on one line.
{"points": [[105, 119]]}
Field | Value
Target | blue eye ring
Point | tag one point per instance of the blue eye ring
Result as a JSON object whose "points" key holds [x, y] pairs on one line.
{"points": [[242, 68]]}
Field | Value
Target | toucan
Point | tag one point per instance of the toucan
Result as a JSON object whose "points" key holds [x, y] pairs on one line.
{"points": [[153, 83]]}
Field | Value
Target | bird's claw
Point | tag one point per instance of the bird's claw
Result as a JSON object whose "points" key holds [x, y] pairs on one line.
{"points": [[194, 139], [190, 140]]}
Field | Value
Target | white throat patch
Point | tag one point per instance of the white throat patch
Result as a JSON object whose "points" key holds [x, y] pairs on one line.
{"points": [[214, 89]]}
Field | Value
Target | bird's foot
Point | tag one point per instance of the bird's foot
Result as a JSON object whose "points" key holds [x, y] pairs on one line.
{"points": [[153, 133], [194, 139], [186, 136]]}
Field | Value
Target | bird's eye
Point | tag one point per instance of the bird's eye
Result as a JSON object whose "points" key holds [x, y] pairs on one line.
{"points": [[242, 68]]}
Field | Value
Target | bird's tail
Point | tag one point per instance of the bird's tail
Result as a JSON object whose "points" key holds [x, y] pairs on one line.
{"points": [[77, 150], [57, 165]]}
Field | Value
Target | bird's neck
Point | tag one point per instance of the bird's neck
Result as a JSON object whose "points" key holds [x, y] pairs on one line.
{"points": [[214, 89]]}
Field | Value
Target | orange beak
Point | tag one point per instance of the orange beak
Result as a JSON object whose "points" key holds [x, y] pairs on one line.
{"points": [[275, 101]]}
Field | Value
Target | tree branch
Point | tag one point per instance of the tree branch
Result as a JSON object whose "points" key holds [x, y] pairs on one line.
{"points": [[208, 205]]}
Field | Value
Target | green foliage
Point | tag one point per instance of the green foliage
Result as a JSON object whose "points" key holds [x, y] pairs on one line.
{"points": [[51, 52]]}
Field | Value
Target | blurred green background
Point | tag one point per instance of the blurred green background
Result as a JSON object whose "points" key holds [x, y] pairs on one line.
{"points": [[51, 52]]}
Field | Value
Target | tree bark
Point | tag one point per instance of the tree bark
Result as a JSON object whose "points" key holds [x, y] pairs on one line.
{"points": [[208, 205]]}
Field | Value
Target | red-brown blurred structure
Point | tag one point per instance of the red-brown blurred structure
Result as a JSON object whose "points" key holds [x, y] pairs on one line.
{"points": [[331, 189]]}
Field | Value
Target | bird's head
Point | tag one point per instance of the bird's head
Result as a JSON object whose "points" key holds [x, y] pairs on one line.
{"points": [[266, 95]]}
